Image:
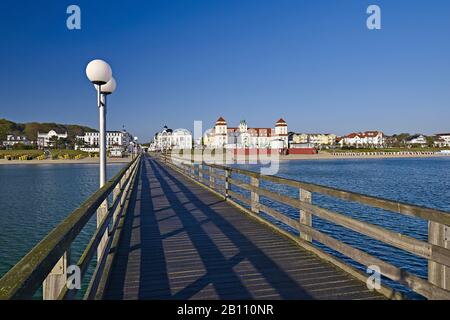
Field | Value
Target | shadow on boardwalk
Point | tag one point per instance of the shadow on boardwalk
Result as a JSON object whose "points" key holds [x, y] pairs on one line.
{"points": [[180, 241]]}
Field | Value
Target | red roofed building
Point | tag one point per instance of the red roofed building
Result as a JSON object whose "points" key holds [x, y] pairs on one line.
{"points": [[363, 139], [223, 136]]}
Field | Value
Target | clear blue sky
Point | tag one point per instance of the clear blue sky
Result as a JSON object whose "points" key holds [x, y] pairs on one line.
{"points": [[312, 62]]}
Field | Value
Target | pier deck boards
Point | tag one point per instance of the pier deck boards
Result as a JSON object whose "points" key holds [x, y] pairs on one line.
{"points": [[180, 241]]}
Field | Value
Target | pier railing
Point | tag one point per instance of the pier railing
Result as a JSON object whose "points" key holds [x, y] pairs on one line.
{"points": [[48, 263], [436, 251]]}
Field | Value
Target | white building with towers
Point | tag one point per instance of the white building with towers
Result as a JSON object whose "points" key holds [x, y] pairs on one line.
{"points": [[168, 139], [222, 136]]}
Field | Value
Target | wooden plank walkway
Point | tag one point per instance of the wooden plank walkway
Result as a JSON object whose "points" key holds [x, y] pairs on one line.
{"points": [[180, 241]]}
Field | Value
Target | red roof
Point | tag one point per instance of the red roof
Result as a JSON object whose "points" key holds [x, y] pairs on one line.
{"points": [[281, 123], [364, 134], [221, 120]]}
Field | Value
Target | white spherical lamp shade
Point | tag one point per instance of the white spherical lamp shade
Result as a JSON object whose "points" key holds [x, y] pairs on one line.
{"points": [[98, 72], [109, 87]]}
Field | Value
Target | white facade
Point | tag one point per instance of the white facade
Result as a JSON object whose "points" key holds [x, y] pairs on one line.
{"points": [[12, 139], [417, 140], [172, 139], [443, 139], [121, 139], [363, 139], [222, 136], [44, 139], [312, 139], [181, 139]]}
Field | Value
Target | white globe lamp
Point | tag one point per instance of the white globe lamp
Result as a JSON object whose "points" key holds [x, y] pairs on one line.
{"points": [[108, 88], [98, 72]]}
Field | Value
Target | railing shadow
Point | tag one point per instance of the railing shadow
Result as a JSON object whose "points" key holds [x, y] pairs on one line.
{"points": [[152, 267], [221, 276]]}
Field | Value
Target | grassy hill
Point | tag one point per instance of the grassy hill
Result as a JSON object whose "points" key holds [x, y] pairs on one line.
{"points": [[31, 129]]}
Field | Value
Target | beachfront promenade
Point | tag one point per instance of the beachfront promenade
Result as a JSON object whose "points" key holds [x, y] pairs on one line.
{"points": [[176, 229]]}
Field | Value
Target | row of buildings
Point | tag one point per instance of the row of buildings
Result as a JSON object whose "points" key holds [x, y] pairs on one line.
{"points": [[43, 140], [378, 139], [223, 136], [278, 137], [119, 140]]}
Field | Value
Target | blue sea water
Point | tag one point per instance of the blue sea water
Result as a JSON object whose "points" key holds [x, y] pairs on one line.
{"points": [[36, 198], [419, 181]]}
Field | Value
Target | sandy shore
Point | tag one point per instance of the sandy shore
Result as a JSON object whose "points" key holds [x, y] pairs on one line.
{"points": [[80, 161], [319, 156], [329, 156]]}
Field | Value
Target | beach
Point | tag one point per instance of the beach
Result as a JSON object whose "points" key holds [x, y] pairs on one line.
{"points": [[329, 156], [321, 155], [58, 161]]}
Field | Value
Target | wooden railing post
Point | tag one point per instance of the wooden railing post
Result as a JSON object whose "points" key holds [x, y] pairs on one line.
{"points": [[227, 183], [118, 188], [254, 197], [438, 274], [305, 217], [211, 178], [102, 212], [117, 192], [56, 279]]}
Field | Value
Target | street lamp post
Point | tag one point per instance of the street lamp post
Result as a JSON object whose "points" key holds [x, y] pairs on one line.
{"points": [[104, 90], [100, 74]]}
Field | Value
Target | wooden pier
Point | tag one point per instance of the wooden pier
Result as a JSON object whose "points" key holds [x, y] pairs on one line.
{"points": [[179, 230]]}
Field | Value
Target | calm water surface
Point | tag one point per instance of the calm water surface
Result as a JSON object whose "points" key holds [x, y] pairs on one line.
{"points": [[424, 182], [35, 198]]}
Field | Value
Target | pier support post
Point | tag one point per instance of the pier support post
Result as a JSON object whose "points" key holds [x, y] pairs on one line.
{"points": [[305, 217], [438, 274], [254, 197], [57, 278]]}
